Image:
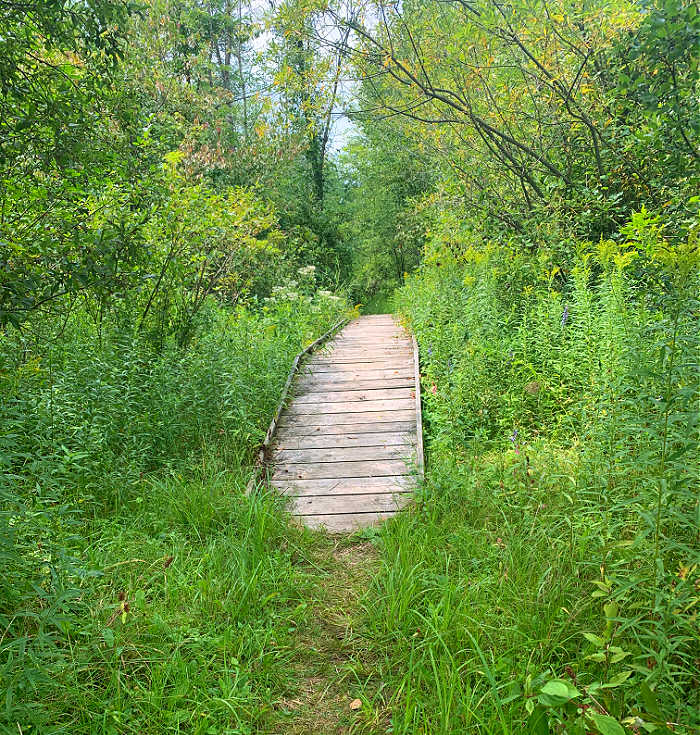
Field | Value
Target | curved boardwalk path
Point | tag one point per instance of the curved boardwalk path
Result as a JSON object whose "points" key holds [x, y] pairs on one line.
{"points": [[347, 446]]}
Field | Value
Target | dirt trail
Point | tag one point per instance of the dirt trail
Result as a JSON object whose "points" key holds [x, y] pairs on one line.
{"points": [[330, 661]]}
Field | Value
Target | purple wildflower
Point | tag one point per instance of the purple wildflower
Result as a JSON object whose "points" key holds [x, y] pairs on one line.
{"points": [[514, 439], [565, 316]]}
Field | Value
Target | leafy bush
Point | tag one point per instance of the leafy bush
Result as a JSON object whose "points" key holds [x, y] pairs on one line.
{"points": [[562, 493], [123, 470]]}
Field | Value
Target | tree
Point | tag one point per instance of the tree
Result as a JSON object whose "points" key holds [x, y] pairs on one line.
{"points": [[517, 99]]}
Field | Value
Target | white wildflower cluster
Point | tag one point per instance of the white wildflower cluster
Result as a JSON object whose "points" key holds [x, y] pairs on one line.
{"points": [[301, 291], [287, 292], [307, 271], [329, 296]]}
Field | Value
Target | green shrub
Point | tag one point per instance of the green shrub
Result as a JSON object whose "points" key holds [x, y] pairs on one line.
{"points": [[562, 411], [135, 571]]}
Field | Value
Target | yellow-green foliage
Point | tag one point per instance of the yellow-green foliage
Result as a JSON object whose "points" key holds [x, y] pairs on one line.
{"points": [[562, 414]]}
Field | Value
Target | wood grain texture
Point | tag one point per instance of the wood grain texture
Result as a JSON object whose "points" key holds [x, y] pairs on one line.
{"points": [[345, 522], [333, 376], [345, 454], [346, 485], [336, 504], [336, 419], [299, 408], [346, 446], [385, 362], [374, 351], [394, 341], [328, 470], [315, 384], [295, 429], [286, 440], [370, 394]]}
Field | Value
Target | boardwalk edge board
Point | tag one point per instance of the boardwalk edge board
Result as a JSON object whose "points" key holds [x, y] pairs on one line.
{"points": [[420, 460], [262, 452]]}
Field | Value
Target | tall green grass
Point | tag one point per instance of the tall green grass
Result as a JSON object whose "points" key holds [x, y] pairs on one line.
{"points": [[141, 590], [547, 580]]}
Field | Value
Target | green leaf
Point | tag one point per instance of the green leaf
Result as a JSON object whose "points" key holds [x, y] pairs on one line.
{"points": [[598, 657], [537, 723], [557, 692], [606, 725], [650, 702], [596, 640], [108, 637], [619, 656], [618, 679]]}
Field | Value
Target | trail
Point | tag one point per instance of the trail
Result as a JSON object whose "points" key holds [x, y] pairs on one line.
{"points": [[347, 445], [346, 450], [332, 668]]}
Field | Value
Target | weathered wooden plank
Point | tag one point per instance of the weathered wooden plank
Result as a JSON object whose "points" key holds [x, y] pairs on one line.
{"points": [[337, 419], [377, 330], [404, 346], [338, 368], [385, 361], [369, 468], [302, 409], [372, 394], [346, 522], [314, 505], [377, 352], [399, 356], [294, 428], [346, 485], [287, 440], [312, 385], [371, 339], [338, 376], [345, 454], [375, 347]]}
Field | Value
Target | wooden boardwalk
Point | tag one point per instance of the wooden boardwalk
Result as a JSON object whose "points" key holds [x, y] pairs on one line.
{"points": [[348, 446]]}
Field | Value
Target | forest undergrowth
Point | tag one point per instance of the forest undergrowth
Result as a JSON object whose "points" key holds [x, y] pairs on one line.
{"points": [[547, 578], [181, 212], [141, 590]]}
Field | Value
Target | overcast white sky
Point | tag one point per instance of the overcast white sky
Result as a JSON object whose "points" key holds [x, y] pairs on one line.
{"points": [[342, 128]]}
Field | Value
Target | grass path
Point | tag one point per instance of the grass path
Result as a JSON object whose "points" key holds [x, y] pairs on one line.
{"points": [[330, 662]]}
